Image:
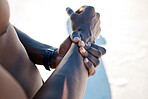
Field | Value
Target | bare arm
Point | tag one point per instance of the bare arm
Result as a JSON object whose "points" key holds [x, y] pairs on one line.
{"points": [[35, 49], [4, 16], [68, 80]]}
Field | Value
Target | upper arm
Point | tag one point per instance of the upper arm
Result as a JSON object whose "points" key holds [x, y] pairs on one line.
{"points": [[4, 15]]}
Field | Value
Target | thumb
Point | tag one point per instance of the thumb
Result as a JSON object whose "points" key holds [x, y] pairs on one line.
{"points": [[75, 37]]}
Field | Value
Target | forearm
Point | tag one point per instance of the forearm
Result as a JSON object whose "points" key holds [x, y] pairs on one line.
{"points": [[35, 49], [68, 80]]}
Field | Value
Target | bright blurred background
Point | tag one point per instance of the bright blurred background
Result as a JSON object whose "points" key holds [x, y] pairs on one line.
{"points": [[124, 25]]}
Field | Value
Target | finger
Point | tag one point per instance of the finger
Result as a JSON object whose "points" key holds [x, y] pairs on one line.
{"points": [[97, 32], [81, 44], [96, 53], [94, 72], [89, 10], [95, 61], [90, 67], [95, 21], [69, 11], [75, 37], [102, 49], [97, 15], [73, 16]]}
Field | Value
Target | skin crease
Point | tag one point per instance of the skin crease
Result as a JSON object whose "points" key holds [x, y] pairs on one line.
{"points": [[22, 69], [14, 59]]}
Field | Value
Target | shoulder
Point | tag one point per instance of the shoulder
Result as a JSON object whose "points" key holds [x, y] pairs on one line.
{"points": [[4, 15]]}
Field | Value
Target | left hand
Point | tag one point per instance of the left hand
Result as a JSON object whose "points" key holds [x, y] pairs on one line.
{"points": [[90, 52], [87, 21]]}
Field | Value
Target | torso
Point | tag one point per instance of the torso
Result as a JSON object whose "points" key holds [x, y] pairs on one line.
{"points": [[14, 58]]}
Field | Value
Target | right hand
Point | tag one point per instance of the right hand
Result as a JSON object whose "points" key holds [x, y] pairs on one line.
{"points": [[86, 21], [90, 52]]}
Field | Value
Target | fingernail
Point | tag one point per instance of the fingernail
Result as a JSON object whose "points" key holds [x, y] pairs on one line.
{"points": [[89, 44], [76, 39], [67, 8], [86, 60], [83, 50], [82, 44]]}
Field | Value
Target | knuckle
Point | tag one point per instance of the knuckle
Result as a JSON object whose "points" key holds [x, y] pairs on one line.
{"points": [[90, 71], [73, 16], [90, 68], [104, 50], [69, 11], [83, 52], [88, 48], [99, 54], [88, 56], [94, 72], [98, 15], [97, 62], [90, 7], [75, 33], [89, 65]]}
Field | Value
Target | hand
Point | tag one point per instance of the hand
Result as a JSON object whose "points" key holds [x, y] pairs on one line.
{"points": [[86, 21], [63, 49], [90, 52]]}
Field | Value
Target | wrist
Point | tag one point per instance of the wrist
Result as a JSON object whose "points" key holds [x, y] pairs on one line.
{"points": [[53, 59], [85, 35], [47, 58], [85, 32]]}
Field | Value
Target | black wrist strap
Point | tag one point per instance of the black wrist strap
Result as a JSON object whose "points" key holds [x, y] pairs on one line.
{"points": [[47, 58]]}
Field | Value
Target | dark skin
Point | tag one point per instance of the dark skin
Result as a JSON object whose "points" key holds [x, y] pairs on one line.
{"points": [[4, 11], [71, 86], [36, 50], [88, 25], [16, 61]]}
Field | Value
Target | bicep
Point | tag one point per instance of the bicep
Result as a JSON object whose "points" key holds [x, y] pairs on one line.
{"points": [[4, 15]]}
